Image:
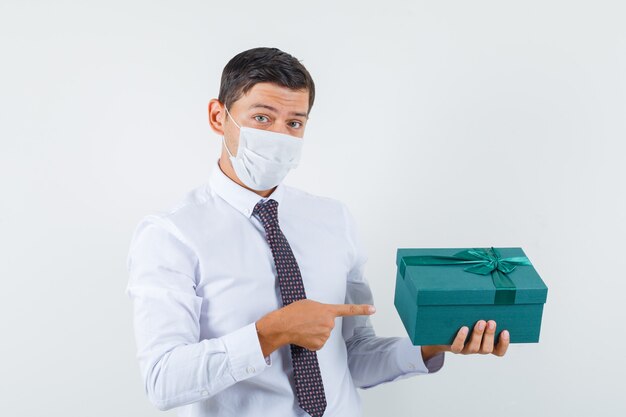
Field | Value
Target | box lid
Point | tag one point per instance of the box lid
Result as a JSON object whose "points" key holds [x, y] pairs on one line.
{"points": [[451, 285]]}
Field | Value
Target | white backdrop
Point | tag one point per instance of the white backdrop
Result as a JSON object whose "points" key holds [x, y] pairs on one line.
{"points": [[440, 123]]}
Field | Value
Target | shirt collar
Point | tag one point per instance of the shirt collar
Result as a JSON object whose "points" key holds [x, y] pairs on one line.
{"points": [[237, 196]]}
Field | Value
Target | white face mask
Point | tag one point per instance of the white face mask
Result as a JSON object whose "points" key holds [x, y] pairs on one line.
{"points": [[263, 157]]}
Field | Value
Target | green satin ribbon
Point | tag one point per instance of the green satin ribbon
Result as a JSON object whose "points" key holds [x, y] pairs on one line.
{"points": [[483, 261]]}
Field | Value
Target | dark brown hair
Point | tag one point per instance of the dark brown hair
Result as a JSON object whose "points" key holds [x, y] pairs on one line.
{"points": [[262, 64]]}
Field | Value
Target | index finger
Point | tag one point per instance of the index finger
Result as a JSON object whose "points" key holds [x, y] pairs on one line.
{"points": [[353, 309]]}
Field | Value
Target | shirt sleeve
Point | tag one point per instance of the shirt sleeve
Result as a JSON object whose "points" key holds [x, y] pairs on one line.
{"points": [[374, 360], [177, 367]]}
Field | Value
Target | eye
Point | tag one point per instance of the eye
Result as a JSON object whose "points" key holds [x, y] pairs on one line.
{"points": [[260, 118], [296, 123]]}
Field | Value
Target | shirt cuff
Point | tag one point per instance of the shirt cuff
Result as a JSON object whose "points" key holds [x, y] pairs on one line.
{"points": [[411, 362], [244, 352], [435, 363]]}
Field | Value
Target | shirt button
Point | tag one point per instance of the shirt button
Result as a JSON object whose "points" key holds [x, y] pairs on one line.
{"points": [[205, 393], [247, 211], [250, 369]]}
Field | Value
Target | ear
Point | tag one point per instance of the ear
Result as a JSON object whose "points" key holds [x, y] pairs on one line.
{"points": [[216, 115]]}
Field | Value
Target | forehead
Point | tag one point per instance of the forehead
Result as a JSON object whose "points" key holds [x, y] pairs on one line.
{"points": [[274, 95]]}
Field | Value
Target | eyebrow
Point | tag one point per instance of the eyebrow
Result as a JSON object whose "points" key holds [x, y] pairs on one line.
{"points": [[265, 106]]}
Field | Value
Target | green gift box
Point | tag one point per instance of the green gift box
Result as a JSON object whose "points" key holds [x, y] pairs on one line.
{"points": [[439, 290]]}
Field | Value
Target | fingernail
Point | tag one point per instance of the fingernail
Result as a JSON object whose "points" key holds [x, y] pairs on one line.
{"points": [[464, 329], [491, 325], [481, 325], [505, 334], [372, 309]]}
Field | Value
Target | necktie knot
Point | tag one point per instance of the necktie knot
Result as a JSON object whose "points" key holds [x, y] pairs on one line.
{"points": [[267, 212]]}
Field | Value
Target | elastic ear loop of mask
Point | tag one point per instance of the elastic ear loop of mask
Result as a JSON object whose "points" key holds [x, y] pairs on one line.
{"points": [[223, 139], [231, 117]]}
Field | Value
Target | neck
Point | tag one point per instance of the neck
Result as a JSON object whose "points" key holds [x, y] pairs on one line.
{"points": [[226, 167]]}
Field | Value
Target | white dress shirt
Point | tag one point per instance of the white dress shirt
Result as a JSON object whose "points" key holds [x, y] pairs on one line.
{"points": [[202, 273]]}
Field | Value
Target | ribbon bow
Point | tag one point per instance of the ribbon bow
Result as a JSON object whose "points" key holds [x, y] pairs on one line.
{"points": [[483, 262]]}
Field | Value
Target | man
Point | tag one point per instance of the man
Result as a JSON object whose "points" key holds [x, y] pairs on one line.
{"points": [[249, 295]]}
